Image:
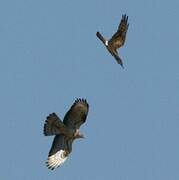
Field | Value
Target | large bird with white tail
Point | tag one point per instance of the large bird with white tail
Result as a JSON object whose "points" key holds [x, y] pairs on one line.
{"points": [[65, 132], [117, 40]]}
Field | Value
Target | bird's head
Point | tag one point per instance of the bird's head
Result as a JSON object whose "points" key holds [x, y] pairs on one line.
{"points": [[78, 134]]}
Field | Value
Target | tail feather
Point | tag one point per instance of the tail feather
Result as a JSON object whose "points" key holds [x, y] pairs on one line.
{"points": [[51, 126]]}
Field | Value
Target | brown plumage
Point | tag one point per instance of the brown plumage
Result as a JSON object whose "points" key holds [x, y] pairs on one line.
{"points": [[117, 40], [65, 132]]}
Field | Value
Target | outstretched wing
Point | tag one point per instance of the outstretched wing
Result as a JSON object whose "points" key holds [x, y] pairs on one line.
{"points": [[77, 114], [118, 39], [118, 59], [61, 148], [99, 35]]}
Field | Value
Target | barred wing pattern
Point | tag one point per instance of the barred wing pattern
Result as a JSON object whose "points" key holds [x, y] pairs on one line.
{"points": [[77, 114], [118, 39], [58, 154], [66, 132], [54, 126]]}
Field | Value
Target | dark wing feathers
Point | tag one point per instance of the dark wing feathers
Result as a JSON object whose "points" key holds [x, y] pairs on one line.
{"points": [[77, 114], [61, 148], [60, 142], [64, 131], [72, 120], [119, 37], [123, 27], [118, 59], [99, 35]]}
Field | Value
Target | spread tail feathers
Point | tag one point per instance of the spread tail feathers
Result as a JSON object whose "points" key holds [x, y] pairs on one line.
{"points": [[52, 125]]}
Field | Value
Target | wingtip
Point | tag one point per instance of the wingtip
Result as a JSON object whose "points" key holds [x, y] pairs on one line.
{"points": [[56, 160], [82, 100], [121, 65], [125, 17], [98, 34]]}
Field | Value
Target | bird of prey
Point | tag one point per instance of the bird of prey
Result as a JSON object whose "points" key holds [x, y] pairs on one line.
{"points": [[117, 40], [65, 132]]}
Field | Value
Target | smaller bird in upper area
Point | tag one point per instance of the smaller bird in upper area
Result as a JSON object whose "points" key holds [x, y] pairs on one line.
{"points": [[117, 40], [65, 132]]}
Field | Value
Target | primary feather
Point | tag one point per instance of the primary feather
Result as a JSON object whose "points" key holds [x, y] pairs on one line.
{"points": [[66, 132], [117, 40]]}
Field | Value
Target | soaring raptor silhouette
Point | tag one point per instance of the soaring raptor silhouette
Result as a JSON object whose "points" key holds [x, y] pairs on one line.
{"points": [[65, 132], [117, 40]]}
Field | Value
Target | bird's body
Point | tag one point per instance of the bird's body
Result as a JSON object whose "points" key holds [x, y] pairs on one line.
{"points": [[117, 40], [65, 132]]}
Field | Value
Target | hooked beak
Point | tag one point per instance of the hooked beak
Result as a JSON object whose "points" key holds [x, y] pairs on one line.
{"points": [[81, 136], [78, 134]]}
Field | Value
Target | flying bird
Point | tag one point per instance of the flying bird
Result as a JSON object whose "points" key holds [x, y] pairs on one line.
{"points": [[117, 40], [65, 132]]}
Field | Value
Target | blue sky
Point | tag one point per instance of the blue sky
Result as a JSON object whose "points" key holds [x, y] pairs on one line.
{"points": [[50, 56]]}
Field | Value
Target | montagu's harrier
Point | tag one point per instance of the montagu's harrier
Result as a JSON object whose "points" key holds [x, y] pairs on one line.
{"points": [[117, 40], [65, 132]]}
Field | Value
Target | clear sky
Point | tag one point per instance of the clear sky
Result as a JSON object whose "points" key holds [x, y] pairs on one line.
{"points": [[49, 56]]}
